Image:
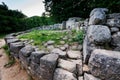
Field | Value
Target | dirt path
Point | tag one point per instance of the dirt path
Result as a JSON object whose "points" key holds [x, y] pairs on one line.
{"points": [[12, 73]]}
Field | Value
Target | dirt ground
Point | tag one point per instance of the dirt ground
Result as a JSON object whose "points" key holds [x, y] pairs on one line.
{"points": [[12, 73]]}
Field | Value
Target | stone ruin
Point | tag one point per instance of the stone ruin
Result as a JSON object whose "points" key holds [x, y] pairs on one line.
{"points": [[99, 59]]}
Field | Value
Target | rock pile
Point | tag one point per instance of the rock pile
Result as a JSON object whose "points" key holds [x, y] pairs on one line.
{"points": [[101, 45]]}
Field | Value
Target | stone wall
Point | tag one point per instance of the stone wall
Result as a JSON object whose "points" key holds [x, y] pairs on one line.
{"points": [[99, 59], [60, 63], [101, 45]]}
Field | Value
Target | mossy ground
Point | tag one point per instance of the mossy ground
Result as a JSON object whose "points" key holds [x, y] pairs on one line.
{"points": [[40, 37]]}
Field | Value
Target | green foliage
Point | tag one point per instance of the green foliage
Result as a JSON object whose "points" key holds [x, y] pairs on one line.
{"points": [[79, 37], [61, 10], [41, 37], [14, 20], [37, 21], [11, 59], [7, 51]]}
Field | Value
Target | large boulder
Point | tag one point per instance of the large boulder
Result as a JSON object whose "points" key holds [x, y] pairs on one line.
{"points": [[24, 55], [99, 34], [61, 74], [98, 16], [47, 66], [105, 64]]}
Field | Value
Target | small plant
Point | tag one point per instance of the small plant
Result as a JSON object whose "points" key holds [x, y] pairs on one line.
{"points": [[11, 58], [79, 37]]}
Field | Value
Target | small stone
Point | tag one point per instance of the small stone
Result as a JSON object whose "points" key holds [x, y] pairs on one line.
{"points": [[67, 65], [63, 48], [50, 42], [74, 47], [90, 77], [62, 42], [85, 68], [80, 78], [61, 74], [74, 54], [79, 47], [114, 29], [65, 38], [50, 47], [66, 46], [58, 51], [113, 22], [79, 66]]}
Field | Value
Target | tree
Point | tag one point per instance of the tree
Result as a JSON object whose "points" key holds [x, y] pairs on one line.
{"points": [[63, 9]]}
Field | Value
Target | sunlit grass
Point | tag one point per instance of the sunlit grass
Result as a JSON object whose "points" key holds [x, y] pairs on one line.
{"points": [[40, 37]]}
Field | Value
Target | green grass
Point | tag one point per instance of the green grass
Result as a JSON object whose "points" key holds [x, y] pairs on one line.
{"points": [[11, 59], [41, 37]]}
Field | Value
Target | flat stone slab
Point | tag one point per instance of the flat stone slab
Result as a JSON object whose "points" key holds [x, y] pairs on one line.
{"points": [[74, 54], [67, 65], [90, 77], [61, 74]]}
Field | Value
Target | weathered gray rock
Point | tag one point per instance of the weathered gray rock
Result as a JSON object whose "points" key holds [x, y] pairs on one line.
{"points": [[26, 51], [98, 16], [61, 74], [58, 51], [50, 47], [12, 40], [99, 34], [35, 56], [115, 41], [113, 22], [105, 64], [86, 50], [90, 77], [62, 42], [63, 25], [63, 48], [80, 78], [114, 29], [47, 66], [33, 68], [15, 47], [80, 47], [74, 54], [114, 16], [79, 66], [50, 42], [67, 65]]}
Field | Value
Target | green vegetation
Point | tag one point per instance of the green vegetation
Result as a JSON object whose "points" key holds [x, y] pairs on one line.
{"points": [[41, 37], [11, 59], [61, 10], [14, 20]]}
